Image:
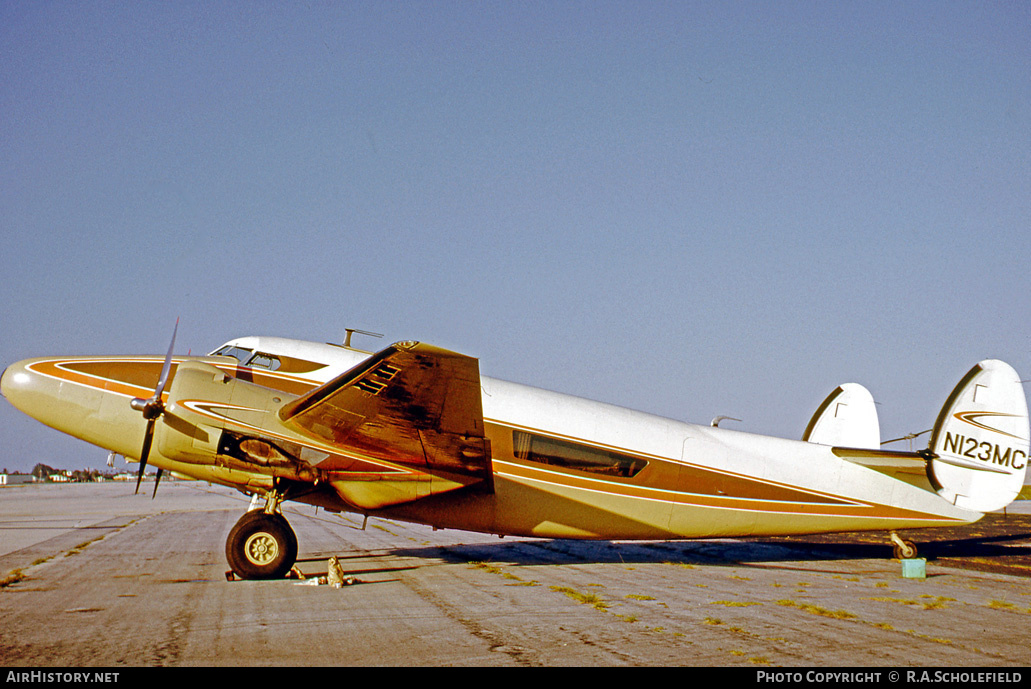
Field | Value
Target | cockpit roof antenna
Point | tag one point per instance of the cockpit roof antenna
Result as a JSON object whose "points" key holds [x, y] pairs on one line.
{"points": [[352, 331]]}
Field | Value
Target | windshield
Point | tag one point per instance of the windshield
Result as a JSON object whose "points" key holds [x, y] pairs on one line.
{"points": [[238, 353], [249, 357]]}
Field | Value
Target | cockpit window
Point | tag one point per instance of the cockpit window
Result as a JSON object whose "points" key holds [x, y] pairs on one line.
{"points": [[262, 360], [238, 353], [270, 362]]}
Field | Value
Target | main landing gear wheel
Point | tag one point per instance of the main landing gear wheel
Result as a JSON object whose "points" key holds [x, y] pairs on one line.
{"points": [[261, 546]]}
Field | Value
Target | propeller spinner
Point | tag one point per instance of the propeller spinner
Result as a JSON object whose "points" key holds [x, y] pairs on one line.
{"points": [[152, 408]]}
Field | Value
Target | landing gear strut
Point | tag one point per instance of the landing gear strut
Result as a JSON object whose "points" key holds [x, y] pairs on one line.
{"points": [[261, 545], [904, 550]]}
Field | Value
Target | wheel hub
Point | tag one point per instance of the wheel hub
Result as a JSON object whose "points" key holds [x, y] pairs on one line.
{"points": [[261, 548]]}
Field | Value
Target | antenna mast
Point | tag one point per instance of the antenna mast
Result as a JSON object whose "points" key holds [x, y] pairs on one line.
{"points": [[352, 331]]}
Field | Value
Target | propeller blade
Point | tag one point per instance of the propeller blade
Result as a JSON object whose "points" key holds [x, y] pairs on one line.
{"points": [[151, 409], [156, 482], [148, 438], [153, 406], [163, 380]]}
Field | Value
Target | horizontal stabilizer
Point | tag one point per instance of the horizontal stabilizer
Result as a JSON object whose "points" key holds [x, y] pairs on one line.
{"points": [[847, 418], [979, 445], [910, 467], [885, 461]]}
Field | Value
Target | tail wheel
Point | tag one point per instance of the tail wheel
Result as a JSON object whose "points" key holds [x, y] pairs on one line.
{"points": [[906, 551], [261, 546]]}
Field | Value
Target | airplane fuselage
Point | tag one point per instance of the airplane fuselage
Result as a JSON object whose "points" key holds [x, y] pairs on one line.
{"points": [[560, 466]]}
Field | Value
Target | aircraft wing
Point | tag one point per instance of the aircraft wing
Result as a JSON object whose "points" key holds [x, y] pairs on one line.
{"points": [[411, 404]]}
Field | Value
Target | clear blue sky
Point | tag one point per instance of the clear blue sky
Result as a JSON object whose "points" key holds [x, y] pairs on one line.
{"points": [[689, 208]]}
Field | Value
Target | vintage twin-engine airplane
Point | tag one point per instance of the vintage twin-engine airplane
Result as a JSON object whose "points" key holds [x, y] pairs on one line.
{"points": [[415, 433]]}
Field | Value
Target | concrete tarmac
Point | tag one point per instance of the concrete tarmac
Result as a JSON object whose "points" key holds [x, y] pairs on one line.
{"points": [[97, 577]]}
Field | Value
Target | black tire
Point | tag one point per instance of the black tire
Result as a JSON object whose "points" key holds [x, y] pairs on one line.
{"points": [[260, 514], [261, 546]]}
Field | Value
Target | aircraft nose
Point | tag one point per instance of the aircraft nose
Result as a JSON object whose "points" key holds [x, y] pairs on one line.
{"points": [[3, 381], [51, 392], [20, 385], [14, 380]]}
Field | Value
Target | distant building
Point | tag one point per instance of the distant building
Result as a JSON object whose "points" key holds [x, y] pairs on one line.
{"points": [[16, 479]]}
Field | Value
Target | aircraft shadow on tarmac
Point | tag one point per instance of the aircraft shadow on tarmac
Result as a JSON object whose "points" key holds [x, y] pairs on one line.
{"points": [[995, 544]]}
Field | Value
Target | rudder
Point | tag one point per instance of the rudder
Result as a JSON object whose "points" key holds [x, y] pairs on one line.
{"points": [[979, 447]]}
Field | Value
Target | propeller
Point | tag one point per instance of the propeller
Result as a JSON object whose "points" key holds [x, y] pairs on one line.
{"points": [[152, 408]]}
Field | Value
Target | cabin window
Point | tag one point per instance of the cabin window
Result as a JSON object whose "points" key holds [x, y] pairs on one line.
{"points": [[569, 455], [267, 361]]}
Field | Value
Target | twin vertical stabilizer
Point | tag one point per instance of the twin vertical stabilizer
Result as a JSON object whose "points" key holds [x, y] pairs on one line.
{"points": [[978, 454], [847, 418], [979, 446]]}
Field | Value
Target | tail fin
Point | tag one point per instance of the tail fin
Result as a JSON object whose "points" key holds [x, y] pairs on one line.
{"points": [[979, 447], [847, 418]]}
